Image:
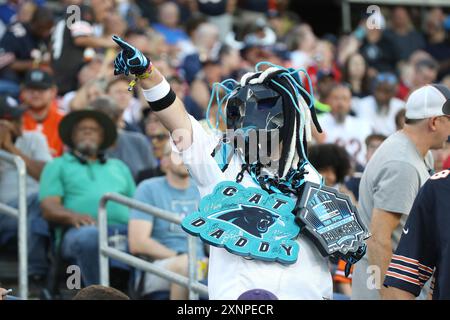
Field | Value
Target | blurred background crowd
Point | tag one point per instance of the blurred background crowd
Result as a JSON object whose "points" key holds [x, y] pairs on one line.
{"points": [[53, 63]]}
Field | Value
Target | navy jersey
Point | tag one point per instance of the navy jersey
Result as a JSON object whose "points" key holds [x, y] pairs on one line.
{"points": [[212, 7], [424, 248], [21, 42], [67, 57]]}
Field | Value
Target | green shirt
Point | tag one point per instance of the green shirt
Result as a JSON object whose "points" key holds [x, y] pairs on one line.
{"points": [[81, 186]]}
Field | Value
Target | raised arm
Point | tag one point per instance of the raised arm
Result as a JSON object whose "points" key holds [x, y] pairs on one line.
{"points": [[162, 100]]}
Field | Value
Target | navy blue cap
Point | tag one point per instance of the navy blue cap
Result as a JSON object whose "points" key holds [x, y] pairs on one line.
{"points": [[38, 79]]}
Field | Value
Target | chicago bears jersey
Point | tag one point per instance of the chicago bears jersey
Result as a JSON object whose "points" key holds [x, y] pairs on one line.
{"points": [[424, 248]]}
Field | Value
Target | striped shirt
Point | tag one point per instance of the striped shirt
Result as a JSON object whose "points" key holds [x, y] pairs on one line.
{"points": [[424, 248]]}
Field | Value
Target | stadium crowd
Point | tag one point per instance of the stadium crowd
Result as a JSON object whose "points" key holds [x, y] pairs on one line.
{"points": [[59, 98]]}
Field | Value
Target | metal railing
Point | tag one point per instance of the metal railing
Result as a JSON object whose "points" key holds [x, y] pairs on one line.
{"points": [[21, 214], [107, 252]]}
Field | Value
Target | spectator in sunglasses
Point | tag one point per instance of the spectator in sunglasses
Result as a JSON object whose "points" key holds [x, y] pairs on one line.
{"points": [[159, 138]]}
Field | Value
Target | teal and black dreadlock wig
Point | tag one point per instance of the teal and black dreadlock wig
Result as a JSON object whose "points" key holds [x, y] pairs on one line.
{"points": [[269, 101]]}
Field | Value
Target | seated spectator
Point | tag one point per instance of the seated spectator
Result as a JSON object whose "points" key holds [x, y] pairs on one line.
{"points": [[377, 49], [168, 25], [73, 184], [39, 92], [325, 83], [259, 32], [342, 128], [130, 107], [130, 147], [324, 63], [29, 44], [425, 72], [437, 43], [90, 91], [201, 87], [32, 148], [355, 73], [331, 161], [158, 239], [403, 36], [219, 12], [158, 136], [97, 292], [230, 60], [410, 76], [372, 143], [183, 92], [347, 46], [206, 43], [73, 42], [380, 108], [303, 45]]}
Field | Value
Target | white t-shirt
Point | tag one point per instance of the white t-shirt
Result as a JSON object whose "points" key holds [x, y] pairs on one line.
{"points": [[384, 122], [350, 134], [230, 275]]}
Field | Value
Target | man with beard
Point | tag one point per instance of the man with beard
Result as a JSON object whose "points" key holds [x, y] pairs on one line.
{"points": [[38, 93], [342, 128], [73, 184], [159, 239]]}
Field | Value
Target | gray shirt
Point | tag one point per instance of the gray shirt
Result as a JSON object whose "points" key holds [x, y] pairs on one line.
{"points": [[135, 150], [34, 145], [390, 182]]}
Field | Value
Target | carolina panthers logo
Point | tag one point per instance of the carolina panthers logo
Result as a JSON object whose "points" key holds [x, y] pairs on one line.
{"points": [[254, 220]]}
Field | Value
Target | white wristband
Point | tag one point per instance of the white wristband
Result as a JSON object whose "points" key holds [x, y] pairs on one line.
{"points": [[157, 92]]}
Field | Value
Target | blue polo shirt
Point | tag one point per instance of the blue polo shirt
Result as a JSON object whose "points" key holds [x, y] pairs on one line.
{"points": [[424, 248]]}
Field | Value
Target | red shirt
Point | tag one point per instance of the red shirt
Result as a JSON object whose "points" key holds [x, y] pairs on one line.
{"points": [[313, 71]]}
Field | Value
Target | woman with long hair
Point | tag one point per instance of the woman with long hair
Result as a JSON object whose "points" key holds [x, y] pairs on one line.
{"points": [[355, 73]]}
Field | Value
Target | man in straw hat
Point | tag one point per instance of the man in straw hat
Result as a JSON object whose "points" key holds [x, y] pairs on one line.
{"points": [[73, 184]]}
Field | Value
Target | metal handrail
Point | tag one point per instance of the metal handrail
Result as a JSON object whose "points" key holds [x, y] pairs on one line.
{"points": [[21, 214], [107, 252]]}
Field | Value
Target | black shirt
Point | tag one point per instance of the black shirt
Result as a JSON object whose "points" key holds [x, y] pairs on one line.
{"points": [[212, 8], [380, 55], [424, 248], [68, 58], [23, 44]]}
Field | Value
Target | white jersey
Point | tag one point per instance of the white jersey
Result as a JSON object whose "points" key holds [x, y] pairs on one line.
{"points": [[383, 122], [350, 134], [230, 275]]}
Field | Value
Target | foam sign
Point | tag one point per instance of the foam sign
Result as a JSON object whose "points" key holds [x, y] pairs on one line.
{"points": [[248, 222], [331, 220]]}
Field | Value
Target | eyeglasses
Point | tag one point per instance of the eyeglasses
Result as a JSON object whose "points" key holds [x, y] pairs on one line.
{"points": [[159, 137]]}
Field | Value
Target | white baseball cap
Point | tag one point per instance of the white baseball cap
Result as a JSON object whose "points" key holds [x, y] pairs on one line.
{"points": [[432, 100]]}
